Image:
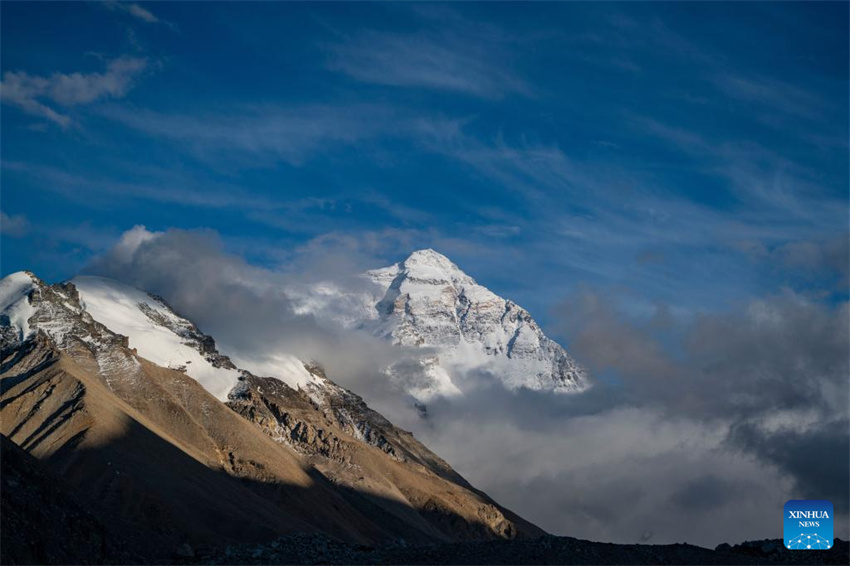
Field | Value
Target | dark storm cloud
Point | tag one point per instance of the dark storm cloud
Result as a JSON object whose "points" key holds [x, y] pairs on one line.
{"points": [[703, 494], [783, 353], [818, 458], [771, 375]]}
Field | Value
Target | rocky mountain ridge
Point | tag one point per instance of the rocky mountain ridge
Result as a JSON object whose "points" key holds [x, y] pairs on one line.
{"points": [[293, 382], [151, 446]]}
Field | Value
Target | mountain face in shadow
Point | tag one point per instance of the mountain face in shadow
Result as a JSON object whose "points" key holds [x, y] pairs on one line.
{"points": [[149, 457]]}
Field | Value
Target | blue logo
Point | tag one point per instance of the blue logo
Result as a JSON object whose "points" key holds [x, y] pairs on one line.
{"points": [[808, 524]]}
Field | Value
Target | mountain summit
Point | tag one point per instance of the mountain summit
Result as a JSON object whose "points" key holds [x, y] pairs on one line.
{"points": [[427, 301]]}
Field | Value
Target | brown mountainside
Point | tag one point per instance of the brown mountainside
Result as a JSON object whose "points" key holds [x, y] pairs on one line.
{"points": [[163, 462]]}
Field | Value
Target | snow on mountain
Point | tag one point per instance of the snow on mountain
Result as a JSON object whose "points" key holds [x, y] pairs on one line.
{"points": [[99, 314], [163, 337], [284, 367], [115, 325], [27, 305], [156, 332], [15, 309], [426, 301]]}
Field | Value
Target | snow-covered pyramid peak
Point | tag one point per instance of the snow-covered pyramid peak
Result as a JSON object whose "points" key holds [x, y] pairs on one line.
{"points": [[428, 259], [427, 301], [424, 266]]}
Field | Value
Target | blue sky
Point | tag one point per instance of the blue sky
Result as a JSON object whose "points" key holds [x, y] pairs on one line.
{"points": [[693, 154]]}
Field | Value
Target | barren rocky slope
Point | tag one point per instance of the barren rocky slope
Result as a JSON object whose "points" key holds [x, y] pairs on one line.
{"points": [[155, 455]]}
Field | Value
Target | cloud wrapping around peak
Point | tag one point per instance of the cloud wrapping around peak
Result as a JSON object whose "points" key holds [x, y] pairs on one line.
{"points": [[31, 93], [720, 418], [123, 251], [247, 309]]}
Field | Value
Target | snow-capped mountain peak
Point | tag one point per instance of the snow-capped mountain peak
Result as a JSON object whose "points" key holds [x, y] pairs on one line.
{"points": [[426, 266], [429, 257], [427, 301], [427, 262]]}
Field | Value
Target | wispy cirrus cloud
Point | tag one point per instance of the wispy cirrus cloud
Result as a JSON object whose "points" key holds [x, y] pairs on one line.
{"points": [[100, 191], [606, 206], [136, 11], [288, 134], [452, 54], [589, 207], [771, 93], [425, 61], [36, 95], [759, 176], [290, 213], [13, 225]]}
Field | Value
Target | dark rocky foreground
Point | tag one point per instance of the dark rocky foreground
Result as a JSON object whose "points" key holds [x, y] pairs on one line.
{"points": [[315, 549], [41, 523]]}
